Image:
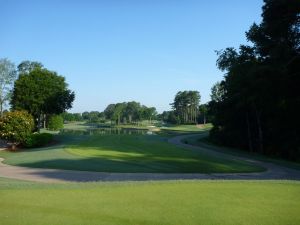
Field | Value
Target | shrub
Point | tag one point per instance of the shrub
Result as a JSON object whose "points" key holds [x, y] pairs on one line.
{"points": [[56, 122], [38, 140], [16, 126]]}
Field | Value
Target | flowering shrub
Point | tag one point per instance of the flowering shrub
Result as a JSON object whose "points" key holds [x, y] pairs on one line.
{"points": [[16, 126]]}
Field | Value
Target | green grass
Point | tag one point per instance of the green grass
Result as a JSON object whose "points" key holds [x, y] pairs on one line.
{"points": [[124, 153], [203, 141], [145, 203], [188, 128]]}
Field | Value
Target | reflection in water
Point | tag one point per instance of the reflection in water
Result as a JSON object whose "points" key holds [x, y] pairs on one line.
{"points": [[101, 131]]}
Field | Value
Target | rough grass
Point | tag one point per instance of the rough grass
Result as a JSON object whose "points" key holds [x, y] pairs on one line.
{"points": [[145, 203], [124, 153]]}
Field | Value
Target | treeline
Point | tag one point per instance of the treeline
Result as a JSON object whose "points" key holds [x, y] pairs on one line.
{"points": [[257, 105], [119, 113], [186, 109], [93, 116], [129, 112]]}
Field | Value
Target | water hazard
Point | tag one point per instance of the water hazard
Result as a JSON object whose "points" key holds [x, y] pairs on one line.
{"points": [[104, 131]]}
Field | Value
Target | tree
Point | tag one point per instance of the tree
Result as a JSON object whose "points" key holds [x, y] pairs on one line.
{"points": [[56, 122], [16, 127], [186, 106], [217, 92], [109, 111], [203, 111], [7, 77], [25, 67], [86, 115], [118, 110], [150, 113], [131, 110], [260, 105], [128, 112], [41, 92]]}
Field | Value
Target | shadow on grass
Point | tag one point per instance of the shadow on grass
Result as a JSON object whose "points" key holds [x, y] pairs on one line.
{"points": [[144, 163]]}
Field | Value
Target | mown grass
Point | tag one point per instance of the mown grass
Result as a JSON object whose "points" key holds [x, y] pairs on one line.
{"points": [[188, 128], [145, 203], [124, 153], [203, 141]]}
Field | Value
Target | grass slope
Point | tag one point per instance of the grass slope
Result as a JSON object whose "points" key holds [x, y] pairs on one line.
{"points": [[204, 142], [145, 203], [124, 153]]}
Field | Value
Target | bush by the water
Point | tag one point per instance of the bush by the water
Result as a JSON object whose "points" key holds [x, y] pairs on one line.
{"points": [[56, 122], [16, 126], [38, 140]]}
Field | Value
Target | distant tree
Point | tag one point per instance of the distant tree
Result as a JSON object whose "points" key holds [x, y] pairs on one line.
{"points": [[203, 111], [128, 112], [186, 106], [94, 116], [169, 117], [71, 116], [77, 116], [7, 77], [56, 122], [150, 113], [118, 110], [41, 92], [86, 115], [109, 111], [131, 111]]}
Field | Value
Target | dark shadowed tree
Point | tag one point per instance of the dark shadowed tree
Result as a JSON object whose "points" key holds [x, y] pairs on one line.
{"points": [[260, 108]]}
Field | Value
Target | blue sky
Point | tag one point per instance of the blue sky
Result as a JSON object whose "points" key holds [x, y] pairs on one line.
{"points": [[115, 51]]}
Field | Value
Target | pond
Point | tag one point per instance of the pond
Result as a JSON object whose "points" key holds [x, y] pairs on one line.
{"points": [[106, 130]]}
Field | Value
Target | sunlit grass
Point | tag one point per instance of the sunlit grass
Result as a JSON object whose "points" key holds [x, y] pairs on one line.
{"points": [[180, 202], [124, 153]]}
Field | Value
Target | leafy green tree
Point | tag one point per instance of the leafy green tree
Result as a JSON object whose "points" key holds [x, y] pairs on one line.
{"points": [[56, 122], [16, 127], [41, 92], [118, 110], [86, 115], [128, 112], [131, 111], [169, 117], [94, 116], [109, 111], [149, 113], [77, 116], [71, 116], [25, 67], [68, 116], [186, 105], [7, 77]]}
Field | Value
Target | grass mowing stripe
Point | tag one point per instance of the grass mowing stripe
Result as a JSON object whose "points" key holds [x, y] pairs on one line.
{"points": [[124, 153]]}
